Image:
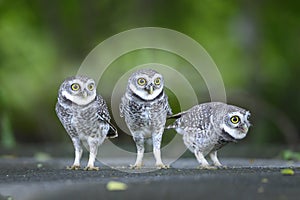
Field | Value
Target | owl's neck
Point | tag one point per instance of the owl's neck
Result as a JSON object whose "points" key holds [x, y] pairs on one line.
{"points": [[161, 94], [69, 102], [63, 100], [227, 137]]}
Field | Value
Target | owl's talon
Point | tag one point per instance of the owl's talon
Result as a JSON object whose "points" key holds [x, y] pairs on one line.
{"points": [[162, 166], [136, 166], [208, 167], [73, 167], [88, 168], [222, 167]]}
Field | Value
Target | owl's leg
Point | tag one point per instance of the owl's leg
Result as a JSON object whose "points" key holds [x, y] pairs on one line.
{"points": [[78, 154], [203, 162], [93, 147], [214, 158], [156, 151], [139, 141]]}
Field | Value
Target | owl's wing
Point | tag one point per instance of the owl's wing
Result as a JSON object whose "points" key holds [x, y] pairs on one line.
{"points": [[103, 115], [167, 107], [121, 108], [169, 110], [113, 132], [65, 116], [176, 116]]}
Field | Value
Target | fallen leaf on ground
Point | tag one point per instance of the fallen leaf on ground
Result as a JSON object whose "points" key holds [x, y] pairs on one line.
{"points": [[287, 171], [116, 185]]}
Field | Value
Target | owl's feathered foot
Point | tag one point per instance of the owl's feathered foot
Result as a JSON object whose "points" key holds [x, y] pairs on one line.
{"points": [[222, 167], [136, 166], [91, 168], [73, 167], [209, 167], [162, 166]]}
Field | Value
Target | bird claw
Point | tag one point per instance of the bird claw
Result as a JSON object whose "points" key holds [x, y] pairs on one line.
{"points": [[90, 168], [73, 167], [162, 166], [136, 166], [209, 167], [222, 167]]}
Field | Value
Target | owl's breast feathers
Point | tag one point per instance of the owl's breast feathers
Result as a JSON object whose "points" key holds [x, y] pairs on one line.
{"points": [[141, 113], [223, 139], [86, 116]]}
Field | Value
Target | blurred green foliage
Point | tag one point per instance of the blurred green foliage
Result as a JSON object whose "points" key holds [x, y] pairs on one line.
{"points": [[255, 45], [290, 155]]}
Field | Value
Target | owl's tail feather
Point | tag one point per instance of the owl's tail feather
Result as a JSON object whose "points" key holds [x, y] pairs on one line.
{"points": [[112, 132], [176, 116], [172, 126]]}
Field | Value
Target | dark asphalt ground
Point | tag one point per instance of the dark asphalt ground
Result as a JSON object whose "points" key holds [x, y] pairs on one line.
{"points": [[30, 179]]}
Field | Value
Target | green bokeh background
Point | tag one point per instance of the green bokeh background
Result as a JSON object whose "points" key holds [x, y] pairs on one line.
{"points": [[255, 45]]}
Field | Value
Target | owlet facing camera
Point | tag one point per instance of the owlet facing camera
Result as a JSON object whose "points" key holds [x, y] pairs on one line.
{"points": [[85, 117], [145, 108]]}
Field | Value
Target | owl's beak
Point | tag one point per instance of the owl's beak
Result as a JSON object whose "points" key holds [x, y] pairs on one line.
{"points": [[150, 90], [244, 128], [84, 94]]}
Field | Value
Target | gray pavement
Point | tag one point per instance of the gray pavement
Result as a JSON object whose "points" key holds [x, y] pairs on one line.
{"points": [[27, 178]]}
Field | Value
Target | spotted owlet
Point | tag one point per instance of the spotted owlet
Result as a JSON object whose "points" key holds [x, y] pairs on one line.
{"points": [[209, 126], [85, 116], [145, 108]]}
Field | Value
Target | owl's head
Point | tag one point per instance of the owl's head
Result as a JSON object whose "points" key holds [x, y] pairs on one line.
{"points": [[236, 122], [146, 84], [80, 90]]}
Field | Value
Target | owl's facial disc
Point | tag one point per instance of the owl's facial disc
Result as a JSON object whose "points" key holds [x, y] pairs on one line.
{"points": [[147, 90], [80, 93], [237, 124]]}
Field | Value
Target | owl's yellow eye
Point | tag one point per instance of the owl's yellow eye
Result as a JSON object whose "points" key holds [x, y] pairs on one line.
{"points": [[141, 81], [75, 87], [157, 81], [91, 86], [235, 119]]}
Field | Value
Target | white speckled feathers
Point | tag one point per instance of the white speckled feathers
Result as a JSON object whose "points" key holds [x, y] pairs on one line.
{"points": [[209, 126]]}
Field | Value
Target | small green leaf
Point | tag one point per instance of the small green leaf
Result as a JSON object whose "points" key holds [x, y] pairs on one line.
{"points": [[115, 186], [287, 171]]}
